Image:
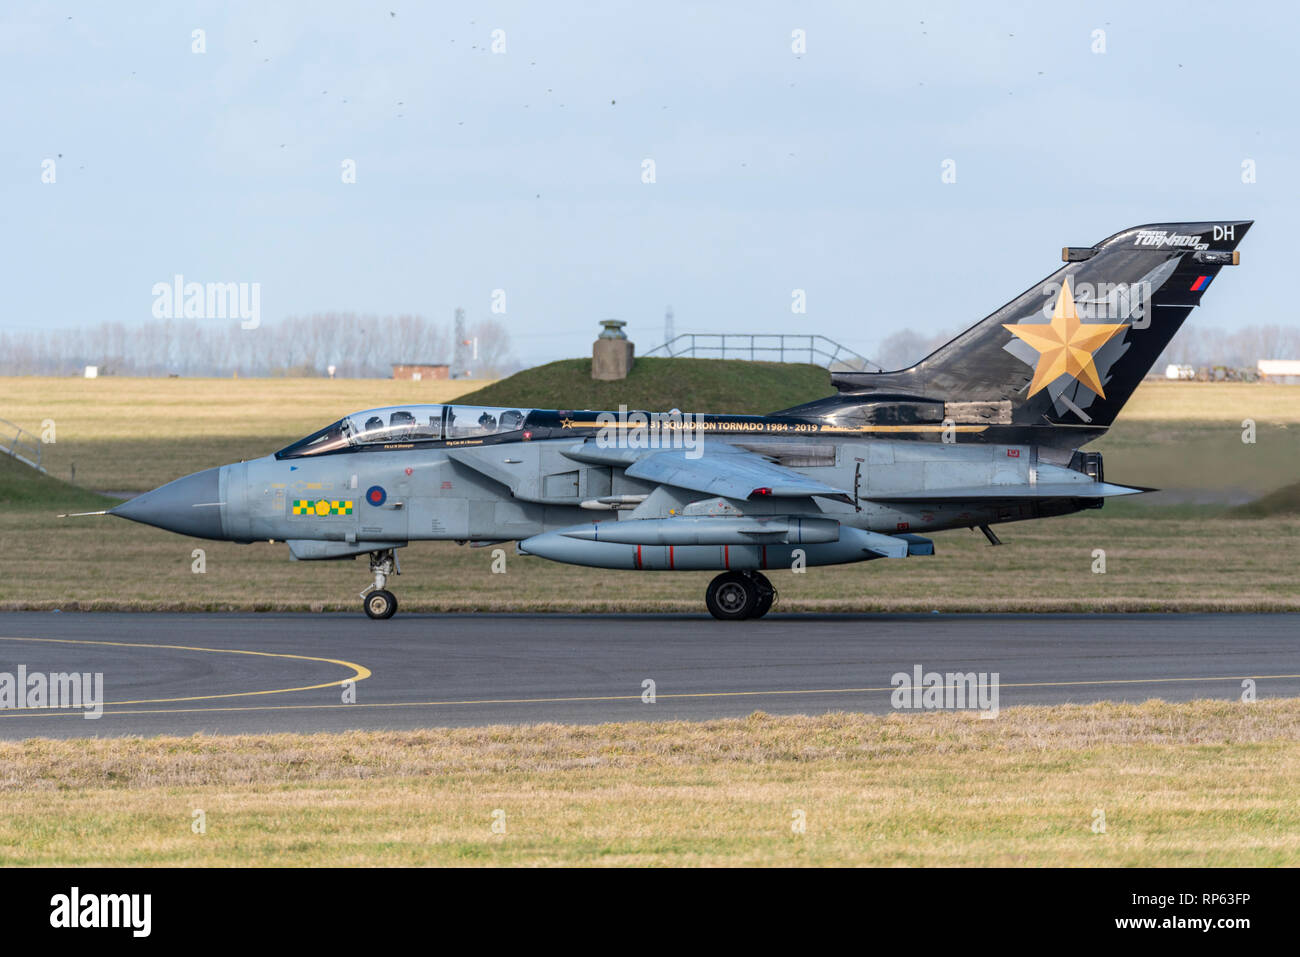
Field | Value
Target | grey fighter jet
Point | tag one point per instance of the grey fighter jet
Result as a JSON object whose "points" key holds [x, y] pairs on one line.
{"points": [[987, 429]]}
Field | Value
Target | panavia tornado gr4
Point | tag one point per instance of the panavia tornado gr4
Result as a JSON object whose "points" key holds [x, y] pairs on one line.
{"points": [[988, 429]]}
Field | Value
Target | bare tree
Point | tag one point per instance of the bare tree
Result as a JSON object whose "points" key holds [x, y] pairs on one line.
{"points": [[908, 347], [492, 341], [358, 346]]}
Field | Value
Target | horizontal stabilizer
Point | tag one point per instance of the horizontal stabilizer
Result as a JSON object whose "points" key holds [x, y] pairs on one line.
{"points": [[917, 544], [886, 546], [894, 546]]}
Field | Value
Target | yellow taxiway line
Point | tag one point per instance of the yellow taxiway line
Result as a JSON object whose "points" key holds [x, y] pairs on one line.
{"points": [[35, 713], [360, 672]]}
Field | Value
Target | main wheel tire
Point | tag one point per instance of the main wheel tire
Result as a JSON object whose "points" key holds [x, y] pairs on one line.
{"points": [[732, 597], [380, 604]]}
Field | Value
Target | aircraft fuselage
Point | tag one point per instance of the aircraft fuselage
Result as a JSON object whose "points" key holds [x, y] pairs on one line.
{"points": [[549, 476]]}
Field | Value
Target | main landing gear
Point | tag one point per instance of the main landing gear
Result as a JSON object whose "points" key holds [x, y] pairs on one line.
{"points": [[376, 600], [735, 596]]}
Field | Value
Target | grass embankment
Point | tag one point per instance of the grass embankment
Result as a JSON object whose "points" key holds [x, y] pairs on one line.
{"points": [[1207, 783], [691, 385], [24, 490], [1285, 501]]}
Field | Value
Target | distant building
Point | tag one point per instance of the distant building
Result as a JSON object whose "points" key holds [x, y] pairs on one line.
{"points": [[421, 370], [1279, 370], [1179, 372]]}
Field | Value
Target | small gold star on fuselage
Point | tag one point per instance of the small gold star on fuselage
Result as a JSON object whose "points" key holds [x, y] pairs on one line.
{"points": [[566, 423], [1065, 345]]}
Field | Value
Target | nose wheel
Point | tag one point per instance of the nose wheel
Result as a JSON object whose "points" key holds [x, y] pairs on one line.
{"points": [[378, 601], [381, 604], [736, 596]]}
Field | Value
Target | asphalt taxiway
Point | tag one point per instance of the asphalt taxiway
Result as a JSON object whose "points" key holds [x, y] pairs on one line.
{"points": [[247, 673]]}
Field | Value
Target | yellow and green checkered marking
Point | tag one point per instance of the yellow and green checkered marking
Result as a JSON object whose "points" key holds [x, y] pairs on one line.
{"points": [[321, 507]]}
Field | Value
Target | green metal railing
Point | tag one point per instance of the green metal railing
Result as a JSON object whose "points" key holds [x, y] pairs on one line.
{"points": [[21, 444], [815, 350]]}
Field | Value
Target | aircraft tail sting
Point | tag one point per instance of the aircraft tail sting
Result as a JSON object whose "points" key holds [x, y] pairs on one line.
{"points": [[1066, 354]]}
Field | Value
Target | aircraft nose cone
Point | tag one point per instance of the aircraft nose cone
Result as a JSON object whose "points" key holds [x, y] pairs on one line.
{"points": [[187, 506]]}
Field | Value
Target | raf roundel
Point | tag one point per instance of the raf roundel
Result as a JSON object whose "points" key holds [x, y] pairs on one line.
{"points": [[376, 495]]}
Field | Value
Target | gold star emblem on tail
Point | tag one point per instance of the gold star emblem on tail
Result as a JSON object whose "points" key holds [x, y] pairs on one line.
{"points": [[1065, 345]]}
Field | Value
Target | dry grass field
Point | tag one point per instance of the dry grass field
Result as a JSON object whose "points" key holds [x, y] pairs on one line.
{"points": [[127, 434], [1207, 783], [1177, 559], [1188, 436], [134, 434], [1163, 401]]}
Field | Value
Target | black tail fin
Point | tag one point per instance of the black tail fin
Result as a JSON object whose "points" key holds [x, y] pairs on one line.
{"points": [[1070, 350]]}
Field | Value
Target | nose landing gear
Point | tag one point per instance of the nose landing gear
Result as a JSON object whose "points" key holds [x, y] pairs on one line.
{"points": [[736, 596], [381, 604], [378, 602]]}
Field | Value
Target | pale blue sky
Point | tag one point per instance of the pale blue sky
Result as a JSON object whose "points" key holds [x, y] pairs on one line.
{"points": [[516, 171]]}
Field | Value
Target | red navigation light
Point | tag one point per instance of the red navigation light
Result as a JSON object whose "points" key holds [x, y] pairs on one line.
{"points": [[761, 491], [527, 436]]}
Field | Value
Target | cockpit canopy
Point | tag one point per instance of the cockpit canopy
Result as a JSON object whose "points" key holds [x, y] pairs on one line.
{"points": [[406, 424]]}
